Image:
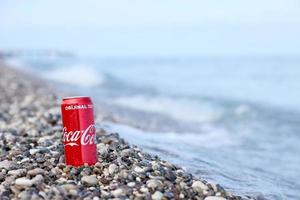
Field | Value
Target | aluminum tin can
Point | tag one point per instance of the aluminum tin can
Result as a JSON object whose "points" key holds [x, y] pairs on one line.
{"points": [[79, 133]]}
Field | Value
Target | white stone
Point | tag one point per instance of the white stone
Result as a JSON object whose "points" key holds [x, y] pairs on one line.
{"points": [[35, 171], [102, 149], [154, 184], [33, 151], [104, 193], [125, 152], [214, 198], [106, 172], [24, 160], [38, 179], [139, 169], [112, 168], [144, 190], [89, 180], [198, 186], [25, 182], [131, 184], [17, 172], [69, 187], [118, 192], [138, 179], [73, 192], [157, 195], [214, 186]]}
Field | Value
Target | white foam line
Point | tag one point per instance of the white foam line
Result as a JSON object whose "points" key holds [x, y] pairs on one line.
{"points": [[80, 75], [212, 139], [180, 109]]}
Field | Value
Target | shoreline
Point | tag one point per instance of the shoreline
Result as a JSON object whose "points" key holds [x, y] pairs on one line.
{"points": [[32, 163]]}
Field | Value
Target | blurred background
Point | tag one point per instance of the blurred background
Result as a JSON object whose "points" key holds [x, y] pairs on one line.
{"points": [[212, 86]]}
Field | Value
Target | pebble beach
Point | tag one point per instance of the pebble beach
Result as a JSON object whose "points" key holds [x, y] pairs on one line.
{"points": [[32, 157]]}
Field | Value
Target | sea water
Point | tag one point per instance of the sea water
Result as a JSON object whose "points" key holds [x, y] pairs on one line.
{"points": [[232, 121]]}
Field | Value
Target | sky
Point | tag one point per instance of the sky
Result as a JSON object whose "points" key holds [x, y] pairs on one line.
{"points": [[153, 27]]}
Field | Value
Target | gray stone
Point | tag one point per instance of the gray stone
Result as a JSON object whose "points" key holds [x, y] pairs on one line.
{"points": [[24, 195], [69, 187], [89, 180], [6, 164], [126, 152], [35, 172]]}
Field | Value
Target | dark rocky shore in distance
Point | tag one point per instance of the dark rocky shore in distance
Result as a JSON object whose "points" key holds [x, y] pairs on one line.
{"points": [[32, 159]]}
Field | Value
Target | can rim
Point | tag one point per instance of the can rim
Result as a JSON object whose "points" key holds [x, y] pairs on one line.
{"points": [[74, 97]]}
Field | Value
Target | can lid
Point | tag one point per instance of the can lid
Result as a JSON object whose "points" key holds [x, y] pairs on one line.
{"points": [[75, 97]]}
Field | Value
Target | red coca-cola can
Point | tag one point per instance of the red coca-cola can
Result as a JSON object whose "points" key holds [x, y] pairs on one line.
{"points": [[79, 133]]}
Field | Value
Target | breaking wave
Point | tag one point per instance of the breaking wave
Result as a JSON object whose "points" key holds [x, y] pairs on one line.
{"points": [[180, 108], [81, 75]]}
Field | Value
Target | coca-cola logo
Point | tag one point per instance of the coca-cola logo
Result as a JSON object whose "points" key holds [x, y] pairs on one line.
{"points": [[86, 136]]}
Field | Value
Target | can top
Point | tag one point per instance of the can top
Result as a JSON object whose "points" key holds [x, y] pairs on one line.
{"points": [[75, 97]]}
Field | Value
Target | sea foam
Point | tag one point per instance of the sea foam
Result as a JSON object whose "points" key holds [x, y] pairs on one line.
{"points": [[213, 137], [179, 108], [81, 75]]}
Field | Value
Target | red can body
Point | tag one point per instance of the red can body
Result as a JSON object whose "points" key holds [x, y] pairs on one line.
{"points": [[79, 133]]}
